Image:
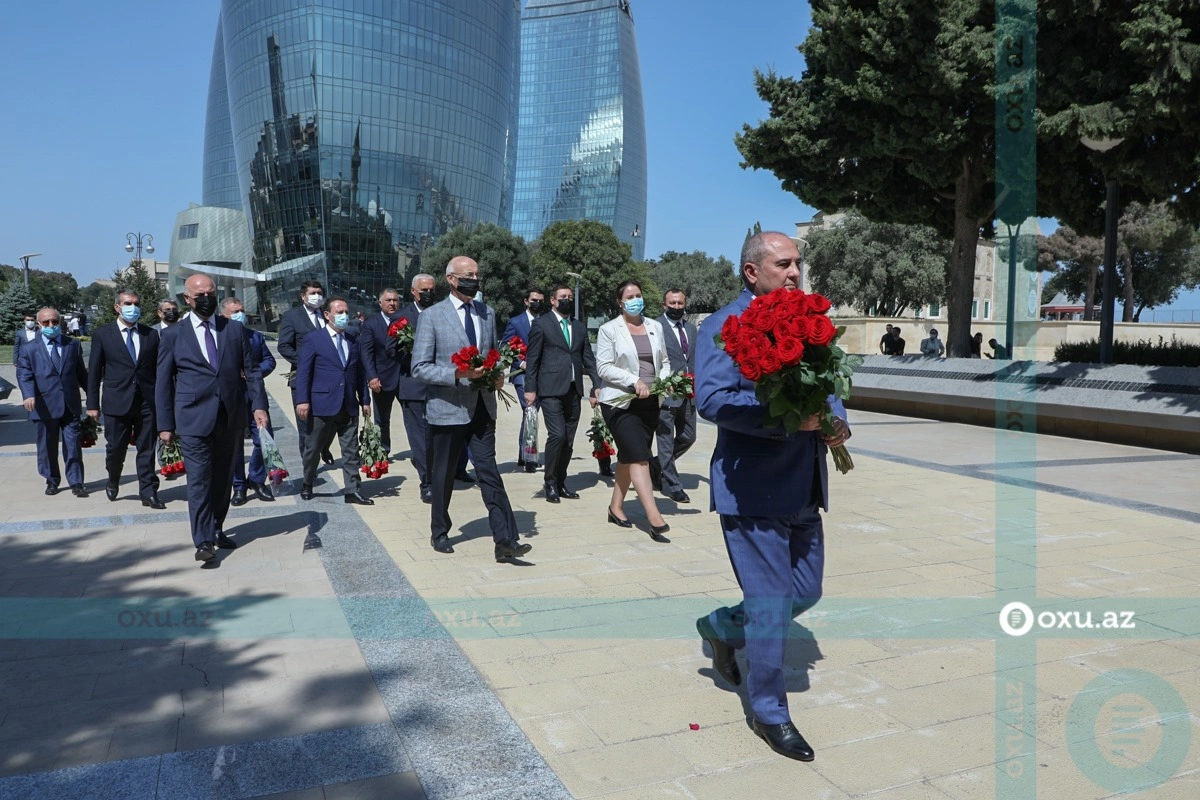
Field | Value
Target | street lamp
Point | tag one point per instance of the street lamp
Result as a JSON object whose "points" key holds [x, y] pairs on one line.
{"points": [[1108, 304], [25, 261], [133, 241], [578, 301]]}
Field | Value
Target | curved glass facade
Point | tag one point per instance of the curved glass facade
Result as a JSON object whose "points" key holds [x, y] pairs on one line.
{"points": [[220, 167], [361, 131], [582, 151]]}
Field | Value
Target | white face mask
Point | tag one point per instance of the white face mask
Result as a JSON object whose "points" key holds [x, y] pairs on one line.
{"points": [[30, 325], [315, 300]]}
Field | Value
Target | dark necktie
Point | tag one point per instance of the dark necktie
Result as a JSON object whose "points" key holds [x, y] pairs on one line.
{"points": [[470, 325], [129, 344], [55, 358], [337, 339], [210, 343], [683, 342], [317, 321]]}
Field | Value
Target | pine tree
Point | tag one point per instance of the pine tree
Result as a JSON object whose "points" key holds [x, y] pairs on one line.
{"points": [[15, 303]]}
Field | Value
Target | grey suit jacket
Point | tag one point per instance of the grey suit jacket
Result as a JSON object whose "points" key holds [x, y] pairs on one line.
{"points": [[440, 335], [675, 354]]}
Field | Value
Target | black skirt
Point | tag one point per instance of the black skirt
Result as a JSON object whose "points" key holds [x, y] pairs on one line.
{"points": [[632, 428]]}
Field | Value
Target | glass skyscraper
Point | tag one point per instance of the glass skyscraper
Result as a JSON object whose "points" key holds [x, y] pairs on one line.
{"points": [[353, 133], [582, 147]]}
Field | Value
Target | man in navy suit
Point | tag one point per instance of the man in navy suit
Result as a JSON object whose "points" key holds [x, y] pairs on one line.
{"points": [[295, 324], [330, 388], [535, 305], [409, 390], [124, 363], [28, 332], [51, 374], [381, 370], [206, 371], [769, 488], [232, 308]]}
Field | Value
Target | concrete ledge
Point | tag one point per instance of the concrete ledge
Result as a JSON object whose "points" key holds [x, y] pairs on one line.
{"points": [[1141, 406]]}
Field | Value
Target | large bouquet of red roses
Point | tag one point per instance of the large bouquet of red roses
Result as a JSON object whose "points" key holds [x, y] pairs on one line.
{"points": [[402, 332], [787, 347], [496, 365]]}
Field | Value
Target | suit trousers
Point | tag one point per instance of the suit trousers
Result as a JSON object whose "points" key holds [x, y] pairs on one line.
{"points": [[209, 461], [382, 402], [417, 431], [303, 426], [48, 432], [258, 467], [345, 427], [676, 433], [446, 448], [779, 563], [562, 420], [139, 425]]}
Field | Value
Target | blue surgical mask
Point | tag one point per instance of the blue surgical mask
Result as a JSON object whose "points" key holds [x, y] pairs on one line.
{"points": [[131, 314], [238, 316], [341, 321], [52, 332], [635, 306]]}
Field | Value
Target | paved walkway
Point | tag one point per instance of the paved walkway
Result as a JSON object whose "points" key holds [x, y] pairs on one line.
{"points": [[336, 655]]}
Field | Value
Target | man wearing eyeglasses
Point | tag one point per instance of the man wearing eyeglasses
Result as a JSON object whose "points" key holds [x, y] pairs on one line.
{"points": [[51, 375]]}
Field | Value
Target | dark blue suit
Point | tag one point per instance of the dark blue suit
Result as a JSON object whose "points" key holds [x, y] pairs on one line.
{"points": [[206, 408], [378, 363], [334, 393], [519, 326], [412, 394], [768, 488], [20, 339], [258, 470], [56, 404]]}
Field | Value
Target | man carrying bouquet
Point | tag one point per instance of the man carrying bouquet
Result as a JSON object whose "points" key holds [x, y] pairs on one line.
{"points": [[459, 413], [769, 488]]}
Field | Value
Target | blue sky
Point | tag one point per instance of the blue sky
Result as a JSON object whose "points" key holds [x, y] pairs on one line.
{"points": [[104, 121]]}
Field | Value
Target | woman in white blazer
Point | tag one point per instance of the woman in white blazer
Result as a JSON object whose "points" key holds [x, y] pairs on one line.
{"points": [[630, 354]]}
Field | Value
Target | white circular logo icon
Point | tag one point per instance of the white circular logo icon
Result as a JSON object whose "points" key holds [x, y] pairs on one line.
{"points": [[1016, 619]]}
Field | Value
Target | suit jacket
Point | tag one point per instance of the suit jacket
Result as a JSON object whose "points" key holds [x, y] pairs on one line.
{"points": [[373, 351], [111, 367], [756, 471], [518, 326], [188, 391], [675, 353], [20, 339], [55, 392], [451, 401], [295, 324], [408, 388], [322, 381], [261, 353], [617, 358], [550, 362]]}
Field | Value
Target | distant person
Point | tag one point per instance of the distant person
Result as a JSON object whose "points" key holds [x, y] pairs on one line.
{"points": [[168, 315], [411, 392], [885, 341], [28, 332], [232, 308], [294, 325], [932, 346], [535, 305], [897, 342], [977, 345], [83, 324], [380, 368], [676, 431], [73, 326], [998, 350]]}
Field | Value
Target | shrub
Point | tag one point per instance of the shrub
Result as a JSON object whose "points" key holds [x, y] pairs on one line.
{"points": [[1142, 352]]}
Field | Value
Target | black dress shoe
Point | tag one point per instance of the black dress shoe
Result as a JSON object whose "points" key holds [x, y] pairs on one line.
{"points": [[567, 493], [657, 531], [306, 492], [551, 493], [358, 500], [464, 477], [441, 544], [427, 495], [239, 498], [680, 496], [225, 543], [206, 552], [153, 502], [263, 492], [51, 489], [606, 472], [615, 520], [531, 466], [78, 490], [785, 740], [723, 659], [511, 549], [327, 457], [111, 489]]}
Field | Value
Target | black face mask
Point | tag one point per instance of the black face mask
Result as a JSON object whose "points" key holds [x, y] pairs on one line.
{"points": [[676, 313], [171, 316], [425, 298], [537, 307], [206, 304], [468, 286], [565, 306]]}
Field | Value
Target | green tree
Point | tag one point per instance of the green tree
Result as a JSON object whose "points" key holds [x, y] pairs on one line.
{"points": [[503, 259], [591, 249], [15, 303], [56, 289], [708, 283], [879, 268], [95, 294], [1159, 256], [1074, 261], [136, 278]]}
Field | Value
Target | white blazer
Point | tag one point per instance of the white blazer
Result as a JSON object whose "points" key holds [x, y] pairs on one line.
{"points": [[617, 358]]}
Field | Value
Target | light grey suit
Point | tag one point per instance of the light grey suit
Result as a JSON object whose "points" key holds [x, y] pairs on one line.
{"points": [[458, 416]]}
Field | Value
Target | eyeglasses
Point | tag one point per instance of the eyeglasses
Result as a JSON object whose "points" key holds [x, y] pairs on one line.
{"points": [[46, 323], [468, 277]]}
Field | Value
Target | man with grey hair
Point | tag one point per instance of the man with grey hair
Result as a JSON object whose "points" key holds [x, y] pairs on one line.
{"points": [[382, 371], [168, 314], [411, 392]]}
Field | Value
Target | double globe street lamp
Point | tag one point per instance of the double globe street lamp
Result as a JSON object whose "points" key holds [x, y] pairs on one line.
{"points": [[133, 242]]}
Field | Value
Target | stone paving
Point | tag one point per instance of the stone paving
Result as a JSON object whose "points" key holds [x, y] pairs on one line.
{"points": [[336, 655]]}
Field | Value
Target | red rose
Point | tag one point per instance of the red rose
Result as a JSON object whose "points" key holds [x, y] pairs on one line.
{"points": [[801, 328], [493, 358], [791, 350], [770, 361], [823, 330], [818, 304], [731, 335], [751, 371]]}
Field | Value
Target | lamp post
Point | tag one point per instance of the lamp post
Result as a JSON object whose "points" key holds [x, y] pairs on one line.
{"points": [[25, 262], [1011, 300], [1108, 304], [133, 241], [578, 300]]}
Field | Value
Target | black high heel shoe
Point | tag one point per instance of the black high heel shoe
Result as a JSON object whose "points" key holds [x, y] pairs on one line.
{"points": [[615, 520], [657, 531]]}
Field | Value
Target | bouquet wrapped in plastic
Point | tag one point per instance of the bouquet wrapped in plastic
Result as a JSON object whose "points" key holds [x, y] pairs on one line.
{"points": [[529, 441], [277, 473]]}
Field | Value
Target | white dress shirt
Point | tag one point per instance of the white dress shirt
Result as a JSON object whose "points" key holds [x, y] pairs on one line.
{"points": [[462, 315], [197, 323], [123, 326], [342, 348]]}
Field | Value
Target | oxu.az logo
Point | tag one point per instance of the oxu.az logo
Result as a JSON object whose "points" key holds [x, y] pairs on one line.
{"points": [[1018, 619]]}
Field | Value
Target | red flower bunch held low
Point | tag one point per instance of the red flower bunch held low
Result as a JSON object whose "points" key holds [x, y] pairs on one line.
{"points": [[89, 431], [370, 450], [495, 364], [403, 332], [171, 459], [600, 437], [273, 460], [678, 384], [787, 347]]}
